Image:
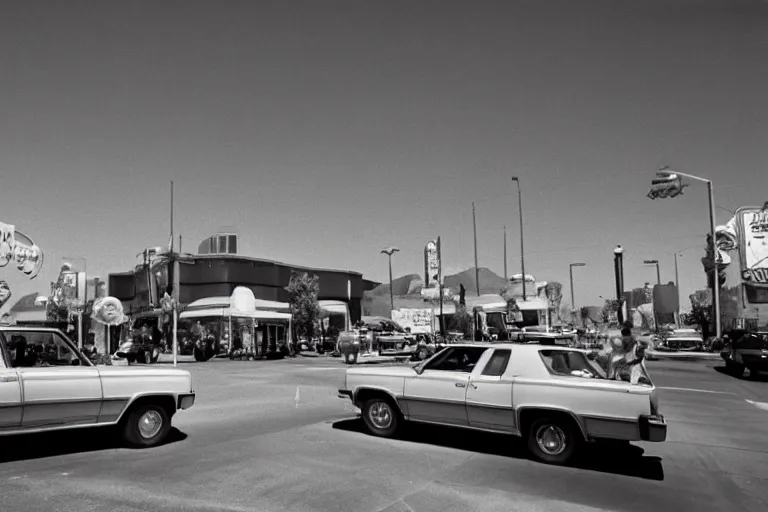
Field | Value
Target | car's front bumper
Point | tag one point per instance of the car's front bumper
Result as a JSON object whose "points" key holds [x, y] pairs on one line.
{"points": [[186, 400], [653, 428]]}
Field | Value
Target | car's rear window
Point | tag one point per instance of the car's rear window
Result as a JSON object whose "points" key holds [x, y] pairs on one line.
{"points": [[570, 363]]}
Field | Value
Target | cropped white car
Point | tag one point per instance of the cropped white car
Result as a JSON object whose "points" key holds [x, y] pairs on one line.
{"points": [[554, 397], [47, 384]]}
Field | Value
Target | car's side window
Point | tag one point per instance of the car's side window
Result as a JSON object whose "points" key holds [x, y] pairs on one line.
{"points": [[498, 363], [30, 349], [459, 359]]}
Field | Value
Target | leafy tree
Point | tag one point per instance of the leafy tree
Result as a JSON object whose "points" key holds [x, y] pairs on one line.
{"points": [[554, 293], [610, 307], [305, 309], [701, 313]]}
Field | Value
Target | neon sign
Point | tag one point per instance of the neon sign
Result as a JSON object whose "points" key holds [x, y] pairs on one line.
{"points": [[19, 248]]}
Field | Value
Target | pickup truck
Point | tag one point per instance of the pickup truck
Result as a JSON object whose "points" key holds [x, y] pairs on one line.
{"points": [[46, 384], [554, 397]]}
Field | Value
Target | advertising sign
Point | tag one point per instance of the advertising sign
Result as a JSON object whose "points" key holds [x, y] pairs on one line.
{"points": [[5, 292], [20, 249], [432, 263], [755, 249], [419, 320]]}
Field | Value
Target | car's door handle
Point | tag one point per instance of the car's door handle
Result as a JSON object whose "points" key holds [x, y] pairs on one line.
{"points": [[460, 385], [9, 378]]}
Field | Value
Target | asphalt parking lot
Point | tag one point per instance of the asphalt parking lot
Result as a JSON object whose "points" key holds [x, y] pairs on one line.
{"points": [[273, 436]]}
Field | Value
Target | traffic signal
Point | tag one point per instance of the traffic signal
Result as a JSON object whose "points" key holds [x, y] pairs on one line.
{"points": [[666, 184]]}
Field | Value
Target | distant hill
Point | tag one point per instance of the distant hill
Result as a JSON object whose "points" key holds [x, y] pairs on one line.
{"points": [[400, 286], [490, 282], [376, 301]]}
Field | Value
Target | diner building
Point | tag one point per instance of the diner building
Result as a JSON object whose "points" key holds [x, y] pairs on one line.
{"points": [[217, 269]]}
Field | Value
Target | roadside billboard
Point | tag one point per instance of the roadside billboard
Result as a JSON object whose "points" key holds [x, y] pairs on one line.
{"points": [[743, 253], [432, 263], [419, 320]]}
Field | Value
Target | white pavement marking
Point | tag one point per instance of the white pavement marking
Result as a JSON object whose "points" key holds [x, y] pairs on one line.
{"points": [[760, 405], [693, 390]]}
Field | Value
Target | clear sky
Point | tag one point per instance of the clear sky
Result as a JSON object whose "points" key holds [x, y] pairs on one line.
{"points": [[326, 130]]}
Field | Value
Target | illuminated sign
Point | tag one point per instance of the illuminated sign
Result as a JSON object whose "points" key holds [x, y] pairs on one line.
{"points": [[20, 249], [754, 268]]}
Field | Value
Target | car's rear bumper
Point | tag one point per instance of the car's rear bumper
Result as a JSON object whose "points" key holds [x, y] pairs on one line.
{"points": [[186, 400], [653, 428]]}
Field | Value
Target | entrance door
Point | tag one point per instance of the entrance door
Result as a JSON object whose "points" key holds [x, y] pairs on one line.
{"points": [[489, 395]]}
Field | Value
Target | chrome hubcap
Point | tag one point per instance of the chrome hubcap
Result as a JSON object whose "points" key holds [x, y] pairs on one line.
{"points": [[551, 439], [150, 424], [380, 415]]}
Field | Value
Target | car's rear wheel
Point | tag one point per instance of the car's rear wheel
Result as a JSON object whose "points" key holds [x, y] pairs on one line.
{"points": [[146, 426], [350, 357], [552, 440], [381, 416]]}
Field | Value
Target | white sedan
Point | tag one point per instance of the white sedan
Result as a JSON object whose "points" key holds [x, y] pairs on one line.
{"points": [[554, 397]]}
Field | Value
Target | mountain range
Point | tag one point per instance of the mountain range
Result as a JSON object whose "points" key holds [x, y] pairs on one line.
{"points": [[407, 289]]}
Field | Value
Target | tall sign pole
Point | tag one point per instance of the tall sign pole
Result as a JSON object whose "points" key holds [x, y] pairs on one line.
{"points": [[506, 275], [477, 270], [522, 247], [174, 261]]}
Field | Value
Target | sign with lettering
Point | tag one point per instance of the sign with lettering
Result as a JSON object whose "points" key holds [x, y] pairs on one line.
{"points": [[20, 249], [755, 247], [432, 263], [419, 320]]}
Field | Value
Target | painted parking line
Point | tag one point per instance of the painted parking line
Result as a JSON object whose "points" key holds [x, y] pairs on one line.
{"points": [[760, 405]]}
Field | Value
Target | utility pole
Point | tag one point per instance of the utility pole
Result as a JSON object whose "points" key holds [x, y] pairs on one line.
{"points": [[174, 261], [677, 277], [506, 275], [477, 270], [522, 249], [440, 286]]}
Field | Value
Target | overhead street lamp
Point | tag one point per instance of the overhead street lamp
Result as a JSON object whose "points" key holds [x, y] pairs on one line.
{"points": [[570, 268], [389, 251], [658, 272], [522, 251], [670, 184]]}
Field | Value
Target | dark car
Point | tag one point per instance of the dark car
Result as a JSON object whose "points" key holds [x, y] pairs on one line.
{"points": [[749, 351]]}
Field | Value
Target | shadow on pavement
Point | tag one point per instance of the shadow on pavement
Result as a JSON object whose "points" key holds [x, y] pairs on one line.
{"points": [[748, 375], [615, 458], [52, 444]]}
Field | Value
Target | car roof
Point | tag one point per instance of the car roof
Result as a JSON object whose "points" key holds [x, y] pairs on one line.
{"points": [[516, 346]]}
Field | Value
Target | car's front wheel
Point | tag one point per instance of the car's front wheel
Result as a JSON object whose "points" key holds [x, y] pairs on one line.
{"points": [[147, 426], [382, 417], [552, 440]]}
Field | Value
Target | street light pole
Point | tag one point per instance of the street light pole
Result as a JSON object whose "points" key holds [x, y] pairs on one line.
{"points": [[389, 251], [573, 300], [522, 249]]}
